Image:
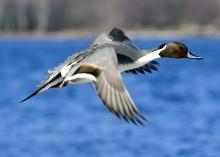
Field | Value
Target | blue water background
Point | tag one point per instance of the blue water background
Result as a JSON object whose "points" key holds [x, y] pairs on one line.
{"points": [[181, 100]]}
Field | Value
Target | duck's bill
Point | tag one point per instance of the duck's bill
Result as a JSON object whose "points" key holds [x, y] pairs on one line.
{"points": [[192, 56]]}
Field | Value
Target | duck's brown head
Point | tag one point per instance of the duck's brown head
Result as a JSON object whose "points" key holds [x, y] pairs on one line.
{"points": [[176, 50]]}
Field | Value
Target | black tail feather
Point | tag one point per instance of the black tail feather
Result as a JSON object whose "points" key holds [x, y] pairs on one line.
{"points": [[30, 96], [53, 83]]}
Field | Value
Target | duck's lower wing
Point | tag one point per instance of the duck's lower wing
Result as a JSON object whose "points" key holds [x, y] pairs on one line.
{"points": [[112, 92], [109, 85], [149, 67], [127, 65]]}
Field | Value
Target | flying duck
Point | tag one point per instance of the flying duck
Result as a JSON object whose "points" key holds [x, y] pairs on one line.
{"points": [[102, 63]]}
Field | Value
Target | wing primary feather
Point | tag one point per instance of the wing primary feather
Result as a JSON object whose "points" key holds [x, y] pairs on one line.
{"points": [[126, 107], [115, 108], [121, 108], [138, 120], [152, 67], [125, 115], [142, 117], [149, 67], [128, 102], [117, 114], [133, 121], [135, 108], [132, 71], [108, 95], [104, 92], [155, 63], [126, 119], [113, 103], [140, 70], [118, 100], [129, 106]]}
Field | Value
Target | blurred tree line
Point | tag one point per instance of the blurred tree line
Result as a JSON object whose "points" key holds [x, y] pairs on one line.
{"points": [[52, 15]]}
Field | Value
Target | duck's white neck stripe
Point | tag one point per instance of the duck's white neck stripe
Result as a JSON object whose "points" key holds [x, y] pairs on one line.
{"points": [[150, 57]]}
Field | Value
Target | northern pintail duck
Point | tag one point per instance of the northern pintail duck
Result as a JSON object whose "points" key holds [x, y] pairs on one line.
{"points": [[102, 63]]}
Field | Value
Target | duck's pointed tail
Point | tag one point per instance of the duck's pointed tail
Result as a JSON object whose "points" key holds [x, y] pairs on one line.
{"points": [[30, 96], [50, 82], [43, 88]]}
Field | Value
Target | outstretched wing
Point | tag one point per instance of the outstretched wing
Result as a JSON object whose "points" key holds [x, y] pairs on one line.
{"points": [[110, 87], [125, 49], [112, 92]]}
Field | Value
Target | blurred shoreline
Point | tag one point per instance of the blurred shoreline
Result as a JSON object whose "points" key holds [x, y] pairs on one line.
{"points": [[183, 31]]}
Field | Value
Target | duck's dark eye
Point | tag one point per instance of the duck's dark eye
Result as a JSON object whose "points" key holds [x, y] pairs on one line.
{"points": [[161, 46]]}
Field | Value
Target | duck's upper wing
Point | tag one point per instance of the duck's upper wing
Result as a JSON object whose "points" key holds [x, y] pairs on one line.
{"points": [[117, 36], [109, 85], [127, 52]]}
